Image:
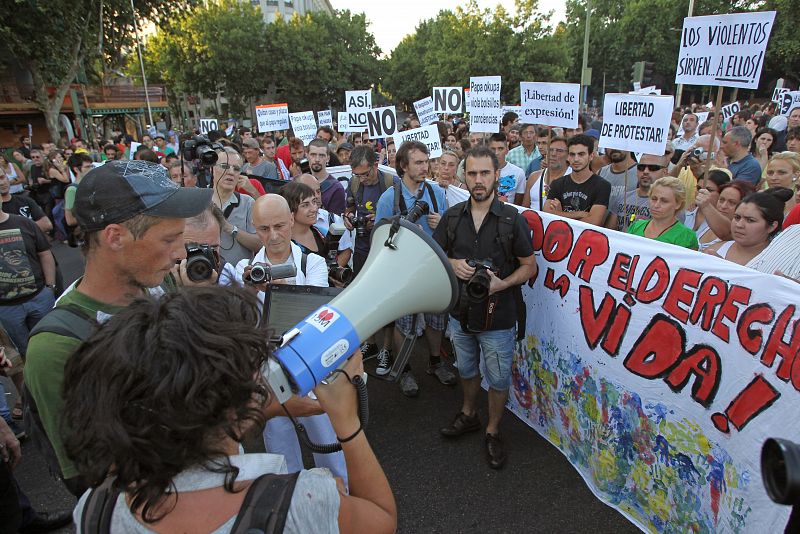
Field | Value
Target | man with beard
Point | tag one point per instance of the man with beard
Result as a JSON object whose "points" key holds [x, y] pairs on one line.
{"points": [[620, 173], [581, 195], [333, 196], [635, 205], [471, 231]]}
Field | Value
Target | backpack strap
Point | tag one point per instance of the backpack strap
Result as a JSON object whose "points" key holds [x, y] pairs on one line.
{"points": [[66, 320], [505, 239], [399, 201], [266, 505], [325, 185], [435, 206], [99, 507]]}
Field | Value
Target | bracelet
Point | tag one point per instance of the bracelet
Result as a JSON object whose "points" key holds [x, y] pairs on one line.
{"points": [[352, 436]]}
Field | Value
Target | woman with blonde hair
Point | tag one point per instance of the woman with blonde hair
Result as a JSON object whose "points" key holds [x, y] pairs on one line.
{"points": [[783, 170], [667, 196]]}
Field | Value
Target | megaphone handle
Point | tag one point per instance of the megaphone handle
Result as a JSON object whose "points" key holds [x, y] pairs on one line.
{"points": [[363, 416], [392, 231]]}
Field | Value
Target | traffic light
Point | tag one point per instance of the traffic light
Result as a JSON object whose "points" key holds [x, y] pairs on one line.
{"points": [[647, 73], [637, 72]]}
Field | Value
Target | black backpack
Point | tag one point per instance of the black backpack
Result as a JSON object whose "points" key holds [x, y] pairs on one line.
{"points": [[264, 510]]}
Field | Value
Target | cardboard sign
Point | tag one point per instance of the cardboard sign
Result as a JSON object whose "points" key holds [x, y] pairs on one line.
{"points": [[425, 113], [726, 50], [551, 104], [325, 117], [304, 125], [789, 101], [272, 117], [777, 92], [429, 135], [448, 99], [731, 109], [484, 104], [208, 125], [636, 123], [382, 122]]}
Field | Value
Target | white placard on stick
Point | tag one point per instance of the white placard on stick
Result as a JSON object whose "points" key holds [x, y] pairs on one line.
{"points": [[425, 113], [731, 109], [325, 117], [636, 123], [448, 99], [789, 101], [272, 117], [777, 92], [358, 99], [208, 125], [726, 50], [344, 126], [304, 125], [551, 104], [484, 104], [429, 135], [382, 122]]}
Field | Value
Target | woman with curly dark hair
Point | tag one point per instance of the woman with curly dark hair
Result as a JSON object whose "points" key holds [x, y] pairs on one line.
{"points": [[160, 397]]}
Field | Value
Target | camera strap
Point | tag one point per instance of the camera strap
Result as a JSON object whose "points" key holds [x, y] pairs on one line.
{"points": [[400, 202], [232, 205]]}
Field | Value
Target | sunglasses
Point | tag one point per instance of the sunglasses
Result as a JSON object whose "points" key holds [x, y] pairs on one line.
{"points": [[649, 167], [226, 166]]}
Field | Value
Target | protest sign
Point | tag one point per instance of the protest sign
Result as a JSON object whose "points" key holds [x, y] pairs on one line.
{"points": [[325, 117], [208, 125], [344, 126], [702, 116], [272, 117], [551, 104], [483, 105], [649, 90], [724, 50], [304, 125], [357, 104], [425, 113], [382, 122], [777, 92], [512, 109], [134, 148], [429, 135], [658, 372], [447, 99], [789, 101], [636, 123], [731, 109]]}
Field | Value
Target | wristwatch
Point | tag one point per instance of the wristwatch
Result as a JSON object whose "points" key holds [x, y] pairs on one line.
{"points": [[234, 231]]}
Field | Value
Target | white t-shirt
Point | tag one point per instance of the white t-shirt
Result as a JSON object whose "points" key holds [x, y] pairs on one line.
{"points": [[511, 182]]}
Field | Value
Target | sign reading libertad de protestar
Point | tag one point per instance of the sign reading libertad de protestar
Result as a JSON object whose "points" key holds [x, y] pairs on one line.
{"points": [[726, 50]]}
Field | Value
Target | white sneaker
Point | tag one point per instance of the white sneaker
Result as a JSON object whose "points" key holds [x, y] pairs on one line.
{"points": [[384, 363]]}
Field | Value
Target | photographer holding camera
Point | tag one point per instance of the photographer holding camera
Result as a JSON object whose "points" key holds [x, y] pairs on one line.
{"points": [[489, 246]]}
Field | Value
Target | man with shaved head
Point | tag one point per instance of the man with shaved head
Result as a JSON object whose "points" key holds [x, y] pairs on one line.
{"points": [[273, 222]]}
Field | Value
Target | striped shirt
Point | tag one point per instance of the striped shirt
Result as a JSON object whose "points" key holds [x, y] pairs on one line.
{"points": [[783, 254]]}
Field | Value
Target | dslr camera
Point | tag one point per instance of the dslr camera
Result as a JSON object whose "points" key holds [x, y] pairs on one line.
{"points": [[359, 222], [419, 209], [477, 288], [265, 273], [201, 148], [201, 262]]}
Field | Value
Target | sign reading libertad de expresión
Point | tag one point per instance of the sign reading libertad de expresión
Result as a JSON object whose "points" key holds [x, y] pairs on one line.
{"points": [[636, 123], [551, 104], [726, 50]]}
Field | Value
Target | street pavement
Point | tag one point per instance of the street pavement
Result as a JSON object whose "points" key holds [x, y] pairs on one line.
{"points": [[440, 485]]}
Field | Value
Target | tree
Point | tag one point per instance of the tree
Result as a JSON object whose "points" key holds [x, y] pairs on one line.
{"points": [[783, 53], [51, 40], [210, 48]]}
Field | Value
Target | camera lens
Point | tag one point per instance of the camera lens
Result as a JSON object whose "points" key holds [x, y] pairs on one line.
{"points": [[780, 469], [258, 274], [198, 268]]}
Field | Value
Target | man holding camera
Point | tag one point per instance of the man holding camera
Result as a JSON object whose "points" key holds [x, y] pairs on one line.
{"points": [[490, 249], [133, 220], [413, 193]]}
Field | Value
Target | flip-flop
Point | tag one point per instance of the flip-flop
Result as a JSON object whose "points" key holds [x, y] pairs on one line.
{"points": [[16, 412]]}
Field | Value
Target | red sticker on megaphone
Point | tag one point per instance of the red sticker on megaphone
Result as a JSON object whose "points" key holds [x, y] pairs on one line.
{"points": [[322, 319]]}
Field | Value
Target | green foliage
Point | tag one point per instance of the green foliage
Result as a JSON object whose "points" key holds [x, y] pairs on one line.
{"points": [[783, 53], [470, 41]]}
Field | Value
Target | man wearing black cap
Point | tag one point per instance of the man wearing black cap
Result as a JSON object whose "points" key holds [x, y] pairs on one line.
{"points": [[132, 216]]}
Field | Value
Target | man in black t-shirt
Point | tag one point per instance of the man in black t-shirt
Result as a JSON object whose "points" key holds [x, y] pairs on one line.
{"points": [[23, 205], [581, 195]]}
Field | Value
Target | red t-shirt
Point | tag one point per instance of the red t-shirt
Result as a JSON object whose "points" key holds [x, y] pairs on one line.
{"points": [[792, 218], [284, 154]]}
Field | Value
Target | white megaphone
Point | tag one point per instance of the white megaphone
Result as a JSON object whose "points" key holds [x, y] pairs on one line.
{"points": [[420, 279]]}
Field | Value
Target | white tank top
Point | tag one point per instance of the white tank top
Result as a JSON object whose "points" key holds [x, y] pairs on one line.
{"points": [[722, 251], [16, 188]]}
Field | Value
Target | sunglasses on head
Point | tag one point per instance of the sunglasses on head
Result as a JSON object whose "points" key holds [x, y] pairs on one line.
{"points": [[652, 167]]}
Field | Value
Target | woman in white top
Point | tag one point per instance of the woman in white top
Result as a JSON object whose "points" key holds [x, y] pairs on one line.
{"points": [[783, 170], [161, 396], [695, 218], [717, 216], [757, 220], [16, 178], [554, 166]]}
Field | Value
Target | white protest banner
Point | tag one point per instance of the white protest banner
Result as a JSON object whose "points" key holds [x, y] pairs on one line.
{"points": [[649, 90], [272, 117], [512, 109], [325, 117], [425, 113], [382, 122], [448, 99], [636, 123], [484, 104], [344, 126], [429, 135], [208, 125], [340, 171], [358, 99], [789, 101], [134, 148], [726, 50], [658, 372], [304, 125], [731, 109], [702, 116], [551, 104], [777, 92]]}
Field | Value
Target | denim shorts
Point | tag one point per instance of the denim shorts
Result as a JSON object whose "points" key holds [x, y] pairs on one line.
{"points": [[437, 321], [497, 347]]}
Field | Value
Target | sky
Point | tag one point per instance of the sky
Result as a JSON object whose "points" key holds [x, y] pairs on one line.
{"points": [[391, 21]]}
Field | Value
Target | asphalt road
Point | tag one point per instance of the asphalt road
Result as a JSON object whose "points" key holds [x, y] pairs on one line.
{"points": [[440, 485]]}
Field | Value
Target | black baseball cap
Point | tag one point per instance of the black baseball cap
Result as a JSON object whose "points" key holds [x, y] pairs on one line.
{"points": [[122, 189]]}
